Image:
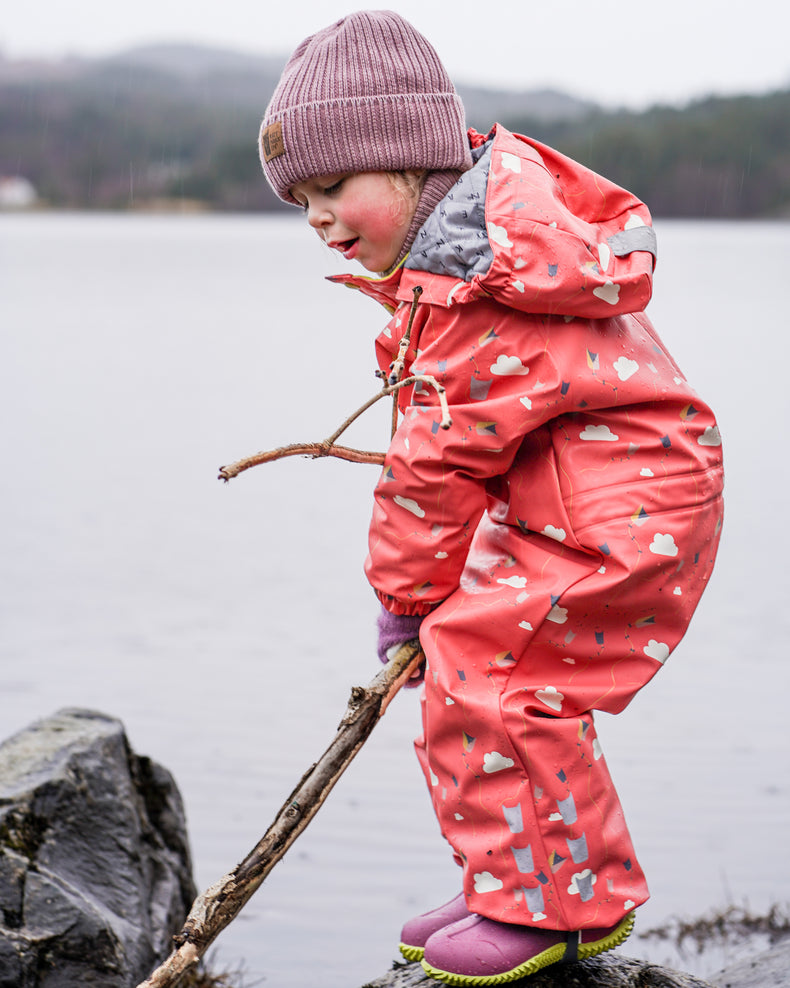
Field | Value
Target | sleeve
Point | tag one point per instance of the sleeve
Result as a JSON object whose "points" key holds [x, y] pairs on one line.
{"points": [[501, 382]]}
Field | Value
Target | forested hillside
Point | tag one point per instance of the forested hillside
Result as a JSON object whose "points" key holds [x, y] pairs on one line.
{"points": [[715, 158], [174, 127]]}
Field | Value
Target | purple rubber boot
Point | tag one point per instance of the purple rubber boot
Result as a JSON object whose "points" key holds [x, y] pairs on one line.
{"points": [[480, 951], [416, 932]]}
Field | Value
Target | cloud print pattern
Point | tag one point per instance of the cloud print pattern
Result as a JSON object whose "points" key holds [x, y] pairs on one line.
{"points": [[558, 536]]}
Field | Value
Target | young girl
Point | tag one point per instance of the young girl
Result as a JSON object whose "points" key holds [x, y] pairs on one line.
{"points": [[550, 547]]}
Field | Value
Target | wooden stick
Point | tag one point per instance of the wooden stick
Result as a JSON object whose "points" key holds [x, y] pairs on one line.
{"points": [[327, 447], [215, 908], [398, 364], [299, 449]]}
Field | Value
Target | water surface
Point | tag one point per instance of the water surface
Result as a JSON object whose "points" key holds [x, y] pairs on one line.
{"points": [[225, 624]]}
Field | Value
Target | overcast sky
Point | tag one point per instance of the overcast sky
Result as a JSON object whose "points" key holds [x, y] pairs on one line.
{"points": [[616, 53]]}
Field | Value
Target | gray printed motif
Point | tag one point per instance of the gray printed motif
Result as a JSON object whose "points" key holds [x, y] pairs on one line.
{"points": [[453, 240]]}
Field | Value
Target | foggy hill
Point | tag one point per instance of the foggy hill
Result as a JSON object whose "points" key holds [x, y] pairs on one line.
{"points": [[170, 125]]}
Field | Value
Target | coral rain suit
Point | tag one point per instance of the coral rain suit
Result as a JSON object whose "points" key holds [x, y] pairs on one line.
{"points": [[559, 534]]}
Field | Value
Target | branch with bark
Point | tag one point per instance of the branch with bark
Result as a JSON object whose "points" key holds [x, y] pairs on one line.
{"points": [[328, 447], [215, 908]]}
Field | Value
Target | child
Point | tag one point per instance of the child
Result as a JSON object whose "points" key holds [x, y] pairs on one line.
{"points": [[551, 546]]}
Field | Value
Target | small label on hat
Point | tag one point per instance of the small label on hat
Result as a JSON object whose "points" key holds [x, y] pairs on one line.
{"points": [[272, 141]]}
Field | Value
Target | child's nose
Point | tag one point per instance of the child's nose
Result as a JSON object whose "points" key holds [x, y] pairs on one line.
{"points": [[318, 216]]}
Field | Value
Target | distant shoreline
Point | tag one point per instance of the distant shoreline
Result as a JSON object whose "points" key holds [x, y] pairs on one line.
{"points": [[176, 124]]}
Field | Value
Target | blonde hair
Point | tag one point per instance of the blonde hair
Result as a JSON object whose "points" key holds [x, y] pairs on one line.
{"points": [[409, 184]]}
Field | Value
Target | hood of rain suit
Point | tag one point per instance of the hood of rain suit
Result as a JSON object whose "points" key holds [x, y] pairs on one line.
{"points": [[545, 235]]}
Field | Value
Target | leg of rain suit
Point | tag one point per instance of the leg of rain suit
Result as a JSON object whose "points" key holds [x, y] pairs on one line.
{"points": [[518, 657]]}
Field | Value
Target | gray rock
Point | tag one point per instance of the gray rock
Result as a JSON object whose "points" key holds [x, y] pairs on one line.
{"points": [[767, 969], [604, 971], [95, 869]]}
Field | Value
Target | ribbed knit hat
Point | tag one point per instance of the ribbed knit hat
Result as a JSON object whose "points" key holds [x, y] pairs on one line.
{"points": [[368, 93]]}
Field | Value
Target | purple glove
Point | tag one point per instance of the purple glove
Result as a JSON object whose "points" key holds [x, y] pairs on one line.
{"points": [[394, 630]]}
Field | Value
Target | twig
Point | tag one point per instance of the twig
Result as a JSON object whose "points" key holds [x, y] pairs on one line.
{"points": [[215, 908], [299, 449], [398, 364], [327, 447]]}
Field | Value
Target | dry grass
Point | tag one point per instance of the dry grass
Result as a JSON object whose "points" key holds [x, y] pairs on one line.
{"points": [[202, 978], [728, 927]]}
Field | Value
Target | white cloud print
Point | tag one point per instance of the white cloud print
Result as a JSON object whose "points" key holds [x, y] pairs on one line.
{"points": [[710, 437], [598, 434], [559, 615], [410, 505], [608, 292], [625, 367], [517, 582], [486, 882], [551, 696], [510, 161], [494, 762], [499, 235], [508, 365], [554, 533], [657, 650], [663, 545]]}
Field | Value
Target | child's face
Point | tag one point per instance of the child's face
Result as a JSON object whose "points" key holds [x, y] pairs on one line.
{"points": [[365, 216]]}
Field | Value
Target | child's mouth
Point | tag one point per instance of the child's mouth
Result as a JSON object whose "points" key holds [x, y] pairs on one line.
{"points": [[347, 247]]}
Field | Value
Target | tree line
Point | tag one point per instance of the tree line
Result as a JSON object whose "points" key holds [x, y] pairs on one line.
{"points": [[125, 136], [716, 158]]}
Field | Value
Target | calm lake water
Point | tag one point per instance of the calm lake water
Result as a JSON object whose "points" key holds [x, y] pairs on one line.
{"points": [[225, 624]]}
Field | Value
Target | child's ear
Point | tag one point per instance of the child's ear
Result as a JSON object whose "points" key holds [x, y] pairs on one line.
{"points": [[417, 179]]}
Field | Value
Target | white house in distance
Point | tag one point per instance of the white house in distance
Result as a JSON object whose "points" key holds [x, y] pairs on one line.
{"points": [[16, 192]]}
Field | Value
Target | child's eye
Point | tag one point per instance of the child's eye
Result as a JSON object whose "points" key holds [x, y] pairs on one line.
{"points": [[333, 189]]}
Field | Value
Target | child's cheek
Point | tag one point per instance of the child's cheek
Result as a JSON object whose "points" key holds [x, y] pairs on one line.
{"points": [[374, 219]]}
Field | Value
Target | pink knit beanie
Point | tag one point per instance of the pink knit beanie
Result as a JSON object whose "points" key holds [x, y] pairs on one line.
{"points": [[367, 93]]}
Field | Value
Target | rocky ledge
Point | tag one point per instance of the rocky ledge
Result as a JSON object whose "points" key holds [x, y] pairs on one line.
{"points": [[95, 870]]}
